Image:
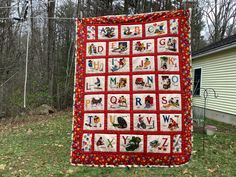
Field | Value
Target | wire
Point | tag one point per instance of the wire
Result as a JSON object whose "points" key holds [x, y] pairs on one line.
{"points": [[9, 79], [25, 8], [53, 18], [8, 7]]}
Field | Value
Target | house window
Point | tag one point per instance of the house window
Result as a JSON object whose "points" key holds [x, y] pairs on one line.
{"points": [[197, 82]]}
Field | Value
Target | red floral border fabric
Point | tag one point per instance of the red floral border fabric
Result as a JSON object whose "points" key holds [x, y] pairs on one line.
{"points": [[132, 102]]}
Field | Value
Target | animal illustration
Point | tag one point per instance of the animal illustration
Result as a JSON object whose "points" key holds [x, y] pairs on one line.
{"points": [[139, 46], [96, 101], [121, 64], [92, 49], [108, 32], [171, 102], [139, 81], [141, 123], [122, 83], [148, 101], [174, 103], [154, 143], [100, 142], [160, 29], [90, 63], [146, 63], [121, 122], [166, 82], [122, 47], [122, 101], [173, 124], [171, 44], [133, 144], [96, 120], [98, 83], [127, 31], [164, 62]]}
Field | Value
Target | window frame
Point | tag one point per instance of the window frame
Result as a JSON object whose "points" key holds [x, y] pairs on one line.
{"points": [[194, 95]]}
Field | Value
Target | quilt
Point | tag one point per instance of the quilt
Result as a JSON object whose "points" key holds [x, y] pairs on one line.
{"points": [[132, 100]]}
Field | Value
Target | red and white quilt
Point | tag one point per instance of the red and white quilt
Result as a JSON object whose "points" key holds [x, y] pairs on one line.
{"points": [[133, 91]]}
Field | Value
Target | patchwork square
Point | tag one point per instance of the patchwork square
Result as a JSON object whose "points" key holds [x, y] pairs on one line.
{"points": [[105, 142], [144, 82], [118, 121], [96, 49], [168, 44], [118, 102], [168, 63], [107, 32], [119, 48], [119, 64], [93, 121], [131, 31], [158, 143], [170, 122], [143, 63], [131, 143], [156, 28], [143, 46], [145, 122], [132, 96], [95, 65]]}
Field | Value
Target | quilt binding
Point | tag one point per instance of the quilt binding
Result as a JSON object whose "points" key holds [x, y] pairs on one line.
{"points": [[74, 97]]}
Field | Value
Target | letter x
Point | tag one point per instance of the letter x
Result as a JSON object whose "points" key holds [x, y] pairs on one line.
{"points": [[110, 143]]}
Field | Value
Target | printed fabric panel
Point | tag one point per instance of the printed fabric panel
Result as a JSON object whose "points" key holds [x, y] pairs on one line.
{"points": [[132, 100]]}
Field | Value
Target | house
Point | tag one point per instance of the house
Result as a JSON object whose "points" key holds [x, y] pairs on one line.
{"points": [[215, 67]]}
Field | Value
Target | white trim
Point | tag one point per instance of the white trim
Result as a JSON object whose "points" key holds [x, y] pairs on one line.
{"points": [[132, 166], [199, 67], [74, 94], [229, 46]]}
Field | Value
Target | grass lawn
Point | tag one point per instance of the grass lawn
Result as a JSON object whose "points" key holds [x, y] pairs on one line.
{"points": [[40, 146]]}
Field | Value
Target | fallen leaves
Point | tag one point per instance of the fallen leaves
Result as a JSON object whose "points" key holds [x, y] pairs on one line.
{"points": [[212, 170], [59, 145], [2, 166], [70, 171], [29, 131], [185, 171]]}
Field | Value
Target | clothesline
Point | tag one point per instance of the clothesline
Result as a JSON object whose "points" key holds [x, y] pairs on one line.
{"points": [[17, 4], [8, 79], [8, 7], [53, 18]]}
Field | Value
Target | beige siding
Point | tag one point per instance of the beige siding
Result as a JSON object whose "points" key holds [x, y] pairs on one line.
{"points": [[218, 72]]}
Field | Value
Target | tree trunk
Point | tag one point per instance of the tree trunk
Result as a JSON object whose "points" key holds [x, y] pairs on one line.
{"points": [[126, 7], [51, 49]]}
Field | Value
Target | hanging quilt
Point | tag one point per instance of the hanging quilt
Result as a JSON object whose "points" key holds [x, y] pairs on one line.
{"points": [[132, 102]]}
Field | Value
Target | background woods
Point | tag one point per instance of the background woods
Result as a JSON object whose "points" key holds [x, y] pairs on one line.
{"points": [[52, 40]]}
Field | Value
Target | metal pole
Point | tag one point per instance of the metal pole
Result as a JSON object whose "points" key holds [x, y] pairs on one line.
{"points": [[26, 68], [205, 94], [204, 119], [26, 60]]}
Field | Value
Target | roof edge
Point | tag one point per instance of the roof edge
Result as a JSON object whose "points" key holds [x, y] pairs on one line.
{"points": [[225, 47]]}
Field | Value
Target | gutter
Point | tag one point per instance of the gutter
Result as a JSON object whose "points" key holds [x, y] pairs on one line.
{"points": [[232, 45]]}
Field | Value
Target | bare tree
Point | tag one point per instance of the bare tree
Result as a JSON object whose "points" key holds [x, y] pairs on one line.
{"points": [[51, 56], [51, 48], [220, 18]]}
